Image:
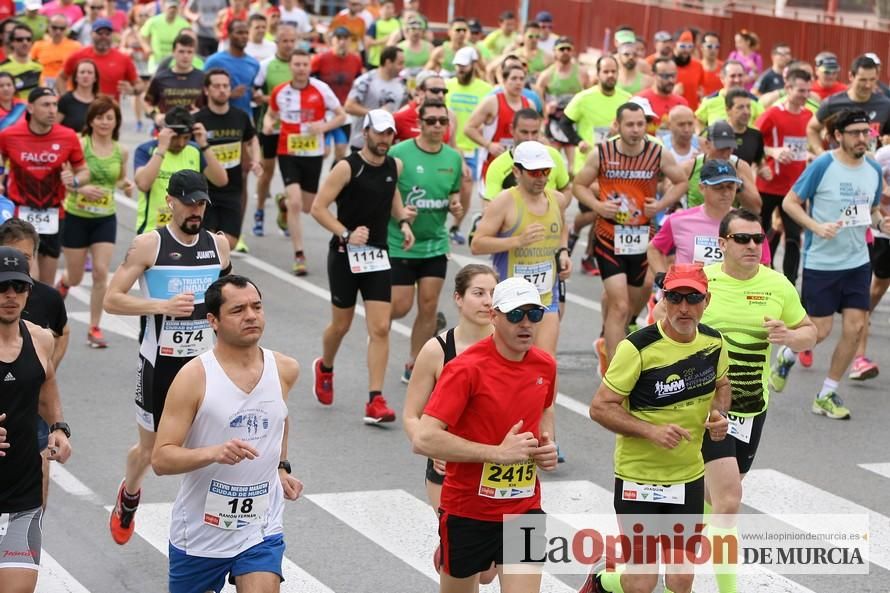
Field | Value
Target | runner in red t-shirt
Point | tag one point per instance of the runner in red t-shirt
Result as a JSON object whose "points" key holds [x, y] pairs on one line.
{"points": [[338, 68], [490, 417], [430, 87], [117, 72], [37, 150], [711, 65], [661, 95]]}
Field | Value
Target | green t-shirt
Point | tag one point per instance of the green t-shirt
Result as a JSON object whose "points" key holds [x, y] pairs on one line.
{"points": [[38, 24], [497, 41], [151, 209], [462, 100], [27, 75], [714, 108], [593, 114], [104, 173], [666, 382], [427, 182], [162, 35], [416, 59], [272, 73], [736, 310], [382, 30], [502, 167]]}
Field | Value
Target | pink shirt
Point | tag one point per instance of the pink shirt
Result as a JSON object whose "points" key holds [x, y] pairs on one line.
{"points": [[72, 11], [694, 236]]}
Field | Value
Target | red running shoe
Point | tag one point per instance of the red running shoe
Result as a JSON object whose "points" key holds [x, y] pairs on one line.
{"points": [[376, 411], [806, 358], [324, 383], [122, 522]]}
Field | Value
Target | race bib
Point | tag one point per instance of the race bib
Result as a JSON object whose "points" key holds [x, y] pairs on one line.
{"points": [[631, 240], [228, 154], [797, 145], [103, 206], [706, 251], [675, 494], [302, 144], [515, 480], [541, 275], [181, 338], [44, 220], [740, 427], [230, 506], [364, 258], [165, 215], [857, 213]]}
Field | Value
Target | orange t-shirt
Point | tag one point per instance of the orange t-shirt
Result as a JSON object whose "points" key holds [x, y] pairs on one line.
{"points": [[712, 82], [691, 76], [354, 24], [52, 56]]}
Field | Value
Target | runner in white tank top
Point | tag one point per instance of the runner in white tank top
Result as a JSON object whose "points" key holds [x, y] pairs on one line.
{"points": [[224, 427]]}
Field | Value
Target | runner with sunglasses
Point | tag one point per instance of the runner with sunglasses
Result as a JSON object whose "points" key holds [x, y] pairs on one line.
{"points": [[492, 465], [667, 386], [430, 87], [753, 307]]}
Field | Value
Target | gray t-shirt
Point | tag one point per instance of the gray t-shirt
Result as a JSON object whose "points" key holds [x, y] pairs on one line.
{"points": [[877, 108], [207, 12], [375, 93]]}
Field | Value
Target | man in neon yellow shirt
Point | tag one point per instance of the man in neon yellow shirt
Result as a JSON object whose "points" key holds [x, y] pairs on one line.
{"points": [[713, 107], [161, 30], [465, 92], [504, 36], [378, 33]]}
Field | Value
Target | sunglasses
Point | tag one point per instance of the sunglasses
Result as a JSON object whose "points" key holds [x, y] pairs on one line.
{"points": [[711, 46], [667, 75], [460, 30], [675, 298], [100, 7], [564, 48], [437, 91], [21, 287], [537, 173], [28, 39], [57, 28], [516, 315], [532, 36], [745, 238], [686, 46], [431, 121]]}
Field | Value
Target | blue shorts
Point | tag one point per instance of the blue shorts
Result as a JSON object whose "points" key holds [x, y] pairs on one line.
{"points": [[826, 292], [553, 307], [339, 136], [472, 161], [189, 574]]}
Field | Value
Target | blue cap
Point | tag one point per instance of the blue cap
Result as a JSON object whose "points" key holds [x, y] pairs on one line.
{"points": [[544, 17], [102, 24], [717, 171]]}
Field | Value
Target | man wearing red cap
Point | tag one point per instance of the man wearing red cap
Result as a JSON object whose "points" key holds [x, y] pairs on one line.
{"points": [[668, 384]]}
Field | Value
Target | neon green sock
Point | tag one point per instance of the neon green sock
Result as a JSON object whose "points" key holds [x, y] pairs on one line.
{"points": [[666, 590], [725, 571], [611, 581]]}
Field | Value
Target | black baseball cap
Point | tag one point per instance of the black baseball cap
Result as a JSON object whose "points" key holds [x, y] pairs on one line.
{"points": [[721, 135], [14, 266], [474, 26], [179, 120], [39, 92], [189, 187], [717, 171]]}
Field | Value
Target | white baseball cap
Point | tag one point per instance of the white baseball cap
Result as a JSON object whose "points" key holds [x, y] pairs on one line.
{"points": [[380, 120], [33, 4], [465, 56], [513, 293], [645, 104], [532, 155]]}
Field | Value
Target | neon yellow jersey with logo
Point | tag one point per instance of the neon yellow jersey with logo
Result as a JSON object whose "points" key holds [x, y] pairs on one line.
{"points": [[593, 114], [462, 100], [151, 208]]}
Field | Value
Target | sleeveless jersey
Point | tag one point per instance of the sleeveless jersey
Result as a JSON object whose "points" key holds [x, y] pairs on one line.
{"points": [[694, 197], [634, 86], [630, 179], [501, 131], [367, 198], [104, 173], [565, 85], [417, 59], [222, 510], [179, 268], [20, 469], [536, 263], [449, 347]]}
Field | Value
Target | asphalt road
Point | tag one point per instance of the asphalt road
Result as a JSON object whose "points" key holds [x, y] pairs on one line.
{"points": [[362, 525]]}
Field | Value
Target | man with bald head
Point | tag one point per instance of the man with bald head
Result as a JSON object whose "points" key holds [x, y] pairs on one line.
{"points": [[52, 51], [681, 140]]}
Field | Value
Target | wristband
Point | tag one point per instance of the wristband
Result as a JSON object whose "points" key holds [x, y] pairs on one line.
{"points": [[560, 250], [659, 280], [404, 221]]}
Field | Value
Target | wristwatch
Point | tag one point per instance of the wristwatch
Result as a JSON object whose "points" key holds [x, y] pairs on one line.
{"points": [[285, 465], [63, 426], [344, 236]]}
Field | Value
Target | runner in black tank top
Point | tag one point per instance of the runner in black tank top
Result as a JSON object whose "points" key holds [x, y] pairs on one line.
{"points": [[449, 351]]}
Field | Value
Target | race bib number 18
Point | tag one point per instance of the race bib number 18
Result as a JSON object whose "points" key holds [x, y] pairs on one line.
{"points": [[230, 506]]}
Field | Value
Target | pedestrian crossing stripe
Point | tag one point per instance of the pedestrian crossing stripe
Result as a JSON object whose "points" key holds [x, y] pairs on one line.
{"points": [[52, 578], [882, 469]]}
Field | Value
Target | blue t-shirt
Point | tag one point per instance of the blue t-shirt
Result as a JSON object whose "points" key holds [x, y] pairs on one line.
{"points": [[838, 192], [7, 209], [242, 70]]}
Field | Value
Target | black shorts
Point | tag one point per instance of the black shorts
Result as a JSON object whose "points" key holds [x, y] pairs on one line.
{"points": [[345, 286], [880, 258], [733, 447], [407, 271], [583, 209], [304, 171], [80, 232], [51, 245], [432, 475], [633, 266], [826, 292], [152, 383], [224, 214], [269, 145], [470, 546]]}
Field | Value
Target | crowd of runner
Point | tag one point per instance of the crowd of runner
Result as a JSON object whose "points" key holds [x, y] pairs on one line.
{"points": [[700, 172]]}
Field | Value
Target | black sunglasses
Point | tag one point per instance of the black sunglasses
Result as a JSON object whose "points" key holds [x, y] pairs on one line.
{"points": [[28, 39], [57, 27], [534, 315], [19, 286], [675, 298], [437, 91], [745, 238], [431, 121]]}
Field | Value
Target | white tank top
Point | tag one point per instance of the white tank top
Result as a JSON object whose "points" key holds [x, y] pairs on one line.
{"points": [[222, 510]]}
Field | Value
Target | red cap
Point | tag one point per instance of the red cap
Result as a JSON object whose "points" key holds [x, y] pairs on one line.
{"points": [[686, 36], [272, 10], [686, 276]]}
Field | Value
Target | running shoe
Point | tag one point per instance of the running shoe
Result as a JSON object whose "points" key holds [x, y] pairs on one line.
{"points": [[406, 374], [122, 522], [281, 219], [456, 236], [441, 322], [573, 238], [589, 267], [831, 406], [599, 348], [259, 217], [241, 246], [806, 358], [62, 288], [95, 338], [592, 584], [863, 368], [779, 375], [299, 268], [376, 411], [324, 383]]}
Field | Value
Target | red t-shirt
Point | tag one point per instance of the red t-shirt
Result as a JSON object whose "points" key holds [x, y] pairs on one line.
{"points": [[662, 104], [338, 72], [711, 82], [780, 127], [297, 107], [691, 76], [480, 396], [408, 123], [826, 91], [35, 163], [7, 9], [114, 67]]}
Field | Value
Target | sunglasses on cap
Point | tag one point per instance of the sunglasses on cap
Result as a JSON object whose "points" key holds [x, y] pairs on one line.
{"points": [[675, 298], [745, 238], [431, 121], [19, 286], [516, 315]]}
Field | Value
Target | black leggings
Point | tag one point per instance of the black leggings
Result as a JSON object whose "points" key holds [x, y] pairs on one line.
{"points": [[791, 263]]}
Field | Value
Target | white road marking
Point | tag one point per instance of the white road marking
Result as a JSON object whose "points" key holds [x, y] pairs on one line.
{"points": [[882, 469], [52, 578], [70, 484]]}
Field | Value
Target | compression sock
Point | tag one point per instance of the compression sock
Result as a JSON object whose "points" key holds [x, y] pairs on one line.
{"points": [[725, 567], [298, 253], [611, 581], [325, 369], [373, 394], [828, 386], [130, 501]]}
